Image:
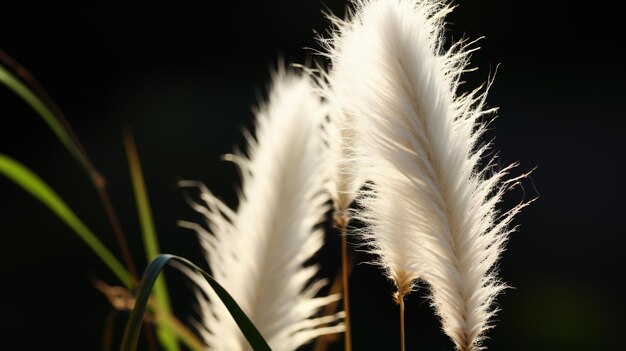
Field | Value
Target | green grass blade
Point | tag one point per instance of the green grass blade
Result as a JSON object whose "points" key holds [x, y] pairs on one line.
{"points": [[13, 83], [34, 185], [17, 78], [133, 328], [150, 241], [30, 182]]}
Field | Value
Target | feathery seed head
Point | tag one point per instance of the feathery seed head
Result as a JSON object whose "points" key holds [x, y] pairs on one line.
{"points": [[258, 253], [339, 138], [431, 211]]}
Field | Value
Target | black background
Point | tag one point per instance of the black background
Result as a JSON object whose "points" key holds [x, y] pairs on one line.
{"points": [[184, 77]]}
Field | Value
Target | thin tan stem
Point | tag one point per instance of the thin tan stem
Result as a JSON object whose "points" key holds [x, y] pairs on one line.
{"points": [[100, 184], [152, 344], [401, 303], [107, 333], [343, 225], [322, 342]]}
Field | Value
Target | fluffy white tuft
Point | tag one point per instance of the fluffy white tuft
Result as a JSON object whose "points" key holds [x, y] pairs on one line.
{"points": [[259, 253], [340, 139], [431, 209]]}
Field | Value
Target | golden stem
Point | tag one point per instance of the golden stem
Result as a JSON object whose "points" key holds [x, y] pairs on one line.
{"points": [[401, 303], [322, 342], [343, 224]]}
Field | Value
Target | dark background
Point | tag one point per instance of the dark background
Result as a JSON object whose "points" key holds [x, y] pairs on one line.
{"points": [[185, 76]]}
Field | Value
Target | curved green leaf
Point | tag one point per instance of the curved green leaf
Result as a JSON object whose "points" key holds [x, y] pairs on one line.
{"points": [[168, 329], [133, 328], [30, 182]]}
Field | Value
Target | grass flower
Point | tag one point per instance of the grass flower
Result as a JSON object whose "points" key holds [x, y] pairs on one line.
{"points": [[259, 252], [343, 179], [432, 207], [340, 139]]}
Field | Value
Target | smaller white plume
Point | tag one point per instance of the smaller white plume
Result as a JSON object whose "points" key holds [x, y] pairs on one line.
{"points": [[340, 139], [259, 253], [431, 209]]}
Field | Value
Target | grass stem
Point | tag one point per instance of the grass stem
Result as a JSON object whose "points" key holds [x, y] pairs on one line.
{"points": [[322, 342], [150, 241], [401, 303], [343, 226], [100, 185]]}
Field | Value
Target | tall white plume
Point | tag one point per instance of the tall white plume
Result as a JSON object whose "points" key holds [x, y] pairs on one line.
{"points": [[259, 253], [431, 209]]}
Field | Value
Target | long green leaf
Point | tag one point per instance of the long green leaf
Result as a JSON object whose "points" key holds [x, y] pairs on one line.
{"points": [[32, 93], [30, 182], [150, 241], [131, 333], [55, 122], [12, 82]]}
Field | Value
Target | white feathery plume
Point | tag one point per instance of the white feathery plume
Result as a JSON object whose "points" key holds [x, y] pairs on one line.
{"points": [[343, 181], [259, 252], [340, 138], [432, 209]]}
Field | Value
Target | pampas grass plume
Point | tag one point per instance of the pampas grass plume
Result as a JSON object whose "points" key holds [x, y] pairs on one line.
{"points": [[259, 252], [431, 209], [340, 140]]}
